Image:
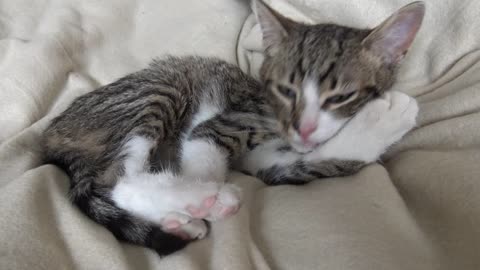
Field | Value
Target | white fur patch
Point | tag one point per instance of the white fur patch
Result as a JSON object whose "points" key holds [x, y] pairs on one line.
{"points": [[311, 99], [137, 150], [328, 125], [266, 156], [206, 111], [203, 160]]}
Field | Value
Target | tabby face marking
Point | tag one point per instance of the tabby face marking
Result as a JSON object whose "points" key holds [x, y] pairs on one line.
{"points": [[319, 76], [304, 132]]}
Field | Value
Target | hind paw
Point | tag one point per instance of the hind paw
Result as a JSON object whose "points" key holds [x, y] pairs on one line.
{"points": [[222, 205], [196, 229], [174, 220]]}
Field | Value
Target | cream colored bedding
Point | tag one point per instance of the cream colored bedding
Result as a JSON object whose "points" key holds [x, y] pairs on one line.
{"points": [[420, 210]]}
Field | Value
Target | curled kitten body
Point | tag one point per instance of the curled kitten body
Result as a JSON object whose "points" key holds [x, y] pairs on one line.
{"points": [[148, 154]]}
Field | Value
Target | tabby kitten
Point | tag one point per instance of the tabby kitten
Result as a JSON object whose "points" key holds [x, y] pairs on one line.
{"points": [[148, 154]]}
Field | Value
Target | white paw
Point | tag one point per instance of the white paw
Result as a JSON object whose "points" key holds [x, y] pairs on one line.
{"points": [[227, 204], [381, 123], [174, 220], [266, 156], [194, 230], [224, 203], [392, 115]]}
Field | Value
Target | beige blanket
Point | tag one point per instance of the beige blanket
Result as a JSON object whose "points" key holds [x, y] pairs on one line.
{"points": [[420, 210]]}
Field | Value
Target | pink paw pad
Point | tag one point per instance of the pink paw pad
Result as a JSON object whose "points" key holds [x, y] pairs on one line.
{"points": [[195, 229], [228, 211], [204, 210], [210, 201], [197, 212], [219, 206], [171, 224]]}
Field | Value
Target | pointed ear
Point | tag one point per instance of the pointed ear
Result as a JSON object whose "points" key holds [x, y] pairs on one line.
{"points": [[274, 26], [394, 36]]}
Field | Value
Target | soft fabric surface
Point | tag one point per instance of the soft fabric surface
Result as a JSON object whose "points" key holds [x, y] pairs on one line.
{"points": [[419, 210]]}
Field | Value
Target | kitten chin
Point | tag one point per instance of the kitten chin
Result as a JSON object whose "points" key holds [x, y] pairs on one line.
{"points": [[302, 148]]}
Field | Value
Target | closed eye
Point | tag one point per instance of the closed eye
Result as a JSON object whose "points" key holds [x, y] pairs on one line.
{"points": [[287, 92], [339, 98]]}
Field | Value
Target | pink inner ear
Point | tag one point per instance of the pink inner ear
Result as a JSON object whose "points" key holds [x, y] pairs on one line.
{"points": [[401, 35], [273, 26], [393, 38]]}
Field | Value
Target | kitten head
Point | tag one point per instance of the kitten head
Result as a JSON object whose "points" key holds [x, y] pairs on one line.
{"points": [[318, 76]]}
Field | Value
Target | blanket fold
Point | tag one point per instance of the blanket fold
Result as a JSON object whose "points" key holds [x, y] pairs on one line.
{"points": [[419, 209]]}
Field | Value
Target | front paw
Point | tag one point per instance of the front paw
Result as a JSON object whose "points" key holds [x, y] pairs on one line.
{"points": [[388, 118], [381, 123]]}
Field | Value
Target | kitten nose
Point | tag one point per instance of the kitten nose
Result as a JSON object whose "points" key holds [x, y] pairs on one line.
{"points": [[306, 130]]}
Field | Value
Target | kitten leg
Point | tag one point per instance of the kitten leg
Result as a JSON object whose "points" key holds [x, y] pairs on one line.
{"points": [[159, 197], [162, 197], [274, 153], [275, 163], [211, 147], [203, 160], [137, 152], [381, 123], [206, 155]]}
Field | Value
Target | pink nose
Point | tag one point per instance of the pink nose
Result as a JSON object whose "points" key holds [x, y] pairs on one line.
{"points": [[306, 130]]}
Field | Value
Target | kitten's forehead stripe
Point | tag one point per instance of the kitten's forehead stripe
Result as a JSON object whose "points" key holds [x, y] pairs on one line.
{"points": [[331, 67], [300, 68], [292, 77], [339, 44], [333, 83], [302, 48], [372, 89]]}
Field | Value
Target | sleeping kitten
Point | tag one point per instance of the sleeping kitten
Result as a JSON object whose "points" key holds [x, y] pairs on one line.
{"points": [[317, 77], [148, 154]]}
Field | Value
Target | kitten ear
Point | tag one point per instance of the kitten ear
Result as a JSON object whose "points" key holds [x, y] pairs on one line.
{"points": [[274, 26], [394, 36]]}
